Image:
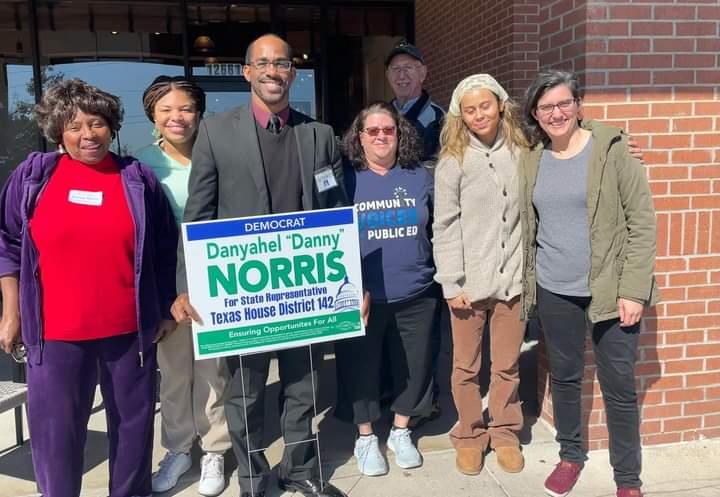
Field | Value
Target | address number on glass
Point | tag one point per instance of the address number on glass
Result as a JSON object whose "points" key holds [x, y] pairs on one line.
{"points": [[224, 69]]}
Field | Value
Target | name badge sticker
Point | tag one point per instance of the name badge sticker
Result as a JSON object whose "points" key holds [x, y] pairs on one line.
{"points": [[325, 179], [82, 197]]}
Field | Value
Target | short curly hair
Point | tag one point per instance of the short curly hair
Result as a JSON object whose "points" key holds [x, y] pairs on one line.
{"points": [[61, 102], [409, 151]]}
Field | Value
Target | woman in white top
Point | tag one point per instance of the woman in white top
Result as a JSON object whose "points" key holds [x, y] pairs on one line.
{"points": [[479, 261], [191, 392]]}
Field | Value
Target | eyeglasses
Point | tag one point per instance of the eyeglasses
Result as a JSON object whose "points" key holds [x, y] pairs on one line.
{"points": [[407, 69], [375, 131], [563, 105], [282, 65]]}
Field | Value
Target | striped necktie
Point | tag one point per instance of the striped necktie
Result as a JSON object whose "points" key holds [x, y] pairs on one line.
{"points": [[274, 124]]}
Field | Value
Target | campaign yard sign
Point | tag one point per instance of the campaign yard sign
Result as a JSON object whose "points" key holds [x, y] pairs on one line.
{"points": [[273, 282]]}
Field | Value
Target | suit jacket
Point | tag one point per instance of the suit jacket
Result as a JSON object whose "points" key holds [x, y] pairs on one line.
{"points": [[227, 178]]}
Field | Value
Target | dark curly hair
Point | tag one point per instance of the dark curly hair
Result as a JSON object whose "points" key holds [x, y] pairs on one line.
{"points": [[409, 151], [162, 85], [61, 102]]}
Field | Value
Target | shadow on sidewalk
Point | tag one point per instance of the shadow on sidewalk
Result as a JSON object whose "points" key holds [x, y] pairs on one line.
{"points": [[17, 462], [336, 438]]}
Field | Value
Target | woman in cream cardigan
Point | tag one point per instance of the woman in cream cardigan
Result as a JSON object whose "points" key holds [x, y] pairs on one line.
{"points": [[479, 262]]}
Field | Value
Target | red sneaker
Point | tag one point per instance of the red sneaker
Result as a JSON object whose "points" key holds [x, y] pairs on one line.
{"points": [[562, 479], [629, 492]]}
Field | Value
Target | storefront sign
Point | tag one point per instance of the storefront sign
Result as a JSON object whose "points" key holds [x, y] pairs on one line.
{"points": [[274, 282]]}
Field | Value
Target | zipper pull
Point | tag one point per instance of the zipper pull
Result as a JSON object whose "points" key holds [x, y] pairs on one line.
{"points": [[142, 364]]}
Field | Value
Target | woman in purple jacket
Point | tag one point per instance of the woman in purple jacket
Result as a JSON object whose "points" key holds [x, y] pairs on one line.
{"points": [[87, 271]]}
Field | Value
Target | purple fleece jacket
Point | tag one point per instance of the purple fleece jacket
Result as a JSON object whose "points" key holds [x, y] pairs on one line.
{"points": [[156, 238]]}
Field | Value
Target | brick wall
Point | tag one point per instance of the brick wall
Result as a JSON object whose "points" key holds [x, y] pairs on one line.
{"points": [[652, 67], [504, 44]]}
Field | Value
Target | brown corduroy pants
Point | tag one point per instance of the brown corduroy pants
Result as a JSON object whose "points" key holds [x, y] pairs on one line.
{"points": [[506, 335]]}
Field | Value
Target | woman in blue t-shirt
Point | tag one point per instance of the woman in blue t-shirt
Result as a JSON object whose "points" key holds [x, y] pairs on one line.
{"points": [[393, 195]]}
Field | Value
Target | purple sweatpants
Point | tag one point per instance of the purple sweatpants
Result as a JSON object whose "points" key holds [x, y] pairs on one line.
{"points": [[60, 396]]}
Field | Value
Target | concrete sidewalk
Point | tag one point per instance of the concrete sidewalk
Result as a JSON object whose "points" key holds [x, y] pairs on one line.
{"points": [[690, 470]]}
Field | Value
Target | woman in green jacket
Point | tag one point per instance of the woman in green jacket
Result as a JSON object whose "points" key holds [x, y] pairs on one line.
{"points": [[589, 252]]}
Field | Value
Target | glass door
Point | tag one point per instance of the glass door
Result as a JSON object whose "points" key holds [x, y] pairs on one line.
{"points": [[223, 94]]}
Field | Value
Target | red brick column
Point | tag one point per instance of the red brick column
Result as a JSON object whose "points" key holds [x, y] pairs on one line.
{"points": [[463, 37], [652, 68]]}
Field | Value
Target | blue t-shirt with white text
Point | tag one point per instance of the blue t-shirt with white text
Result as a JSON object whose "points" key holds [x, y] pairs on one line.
{"points": [[395, 220]]}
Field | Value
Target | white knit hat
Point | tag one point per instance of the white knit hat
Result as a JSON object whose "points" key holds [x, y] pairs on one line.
{"points": [[476, 81]]}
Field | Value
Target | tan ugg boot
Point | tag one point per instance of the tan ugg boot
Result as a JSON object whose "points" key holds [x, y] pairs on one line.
{"points": [[510, 459], [469, 461]]}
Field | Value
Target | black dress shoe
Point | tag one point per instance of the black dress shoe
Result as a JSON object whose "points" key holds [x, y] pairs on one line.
{"points": [[310, 488], [248, 494]]}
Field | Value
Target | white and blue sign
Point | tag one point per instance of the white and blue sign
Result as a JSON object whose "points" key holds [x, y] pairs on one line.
{"points": [[272, 282]]}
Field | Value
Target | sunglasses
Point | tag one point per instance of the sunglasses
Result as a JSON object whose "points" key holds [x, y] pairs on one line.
{"points": [[375, 131]]}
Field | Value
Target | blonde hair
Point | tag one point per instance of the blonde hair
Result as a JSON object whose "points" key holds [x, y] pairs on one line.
{"points": [[454, 137]]}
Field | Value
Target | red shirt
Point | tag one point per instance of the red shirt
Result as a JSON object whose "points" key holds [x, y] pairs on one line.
{"points": [[85, 237], [262, 116]]}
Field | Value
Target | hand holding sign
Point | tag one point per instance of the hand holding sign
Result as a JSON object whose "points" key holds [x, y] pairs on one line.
{"points": [[183, 311]]}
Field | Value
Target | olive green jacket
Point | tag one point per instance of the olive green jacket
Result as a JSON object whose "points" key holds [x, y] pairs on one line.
{"points": [[621, 220]]}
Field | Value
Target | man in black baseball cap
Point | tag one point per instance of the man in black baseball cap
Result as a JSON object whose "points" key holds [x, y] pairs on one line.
{"points": [[406, 71], [405, 48]]}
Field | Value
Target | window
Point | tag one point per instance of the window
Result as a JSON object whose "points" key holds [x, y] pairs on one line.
{"points": [[18, 131], [119, 47]]}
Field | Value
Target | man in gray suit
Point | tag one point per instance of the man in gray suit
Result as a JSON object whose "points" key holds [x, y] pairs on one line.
{"points": [[260, 159]]}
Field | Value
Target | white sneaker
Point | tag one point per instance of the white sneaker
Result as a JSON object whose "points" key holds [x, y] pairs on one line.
{"points": [[406, 454], [370, 460], [212, 475], [172, 467]]}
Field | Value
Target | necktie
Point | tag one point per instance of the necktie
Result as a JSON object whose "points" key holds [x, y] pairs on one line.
{"points": [[274, 124]]}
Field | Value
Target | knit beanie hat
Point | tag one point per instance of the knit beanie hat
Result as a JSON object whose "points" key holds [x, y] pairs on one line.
{"points": [[475, 82]]}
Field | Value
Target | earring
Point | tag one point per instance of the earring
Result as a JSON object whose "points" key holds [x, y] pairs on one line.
{"points": [[156, 133], [61, 149]]}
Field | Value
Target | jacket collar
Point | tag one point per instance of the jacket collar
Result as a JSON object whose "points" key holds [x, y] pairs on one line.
{"points": [[262, 116], [42, 165], [477, 144], [413, 107], [603, 137]]}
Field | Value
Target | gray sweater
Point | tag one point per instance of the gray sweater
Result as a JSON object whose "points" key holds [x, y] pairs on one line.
{"points": [[476, 230]]}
